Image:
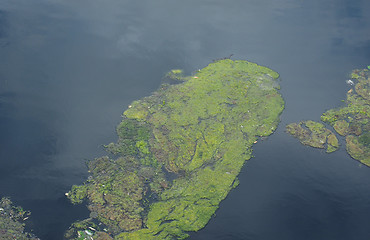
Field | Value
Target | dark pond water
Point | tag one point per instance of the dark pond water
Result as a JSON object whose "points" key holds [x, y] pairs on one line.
{"points": [[69, 68]]}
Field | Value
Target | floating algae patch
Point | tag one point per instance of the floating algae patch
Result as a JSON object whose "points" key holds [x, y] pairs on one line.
{"points": [[12, 221], [314, 134], [351, 121], [179, 153]]}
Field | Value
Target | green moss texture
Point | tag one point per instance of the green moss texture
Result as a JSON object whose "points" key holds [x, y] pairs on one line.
{"points": [[179, 152], [351, 121], [314, 134]]}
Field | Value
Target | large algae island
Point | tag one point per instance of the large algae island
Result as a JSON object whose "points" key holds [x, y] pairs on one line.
{"points": [[178, 154], [351, 121]]}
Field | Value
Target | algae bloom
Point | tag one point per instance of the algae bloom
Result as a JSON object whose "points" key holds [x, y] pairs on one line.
{"points": [[351, 121], [179, 153]]}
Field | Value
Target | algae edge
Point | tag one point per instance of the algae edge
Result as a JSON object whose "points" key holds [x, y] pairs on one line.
{"points": [[12, 221], [179, 153], [351, 121]]}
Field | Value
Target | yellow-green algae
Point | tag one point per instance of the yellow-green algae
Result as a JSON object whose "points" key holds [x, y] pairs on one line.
{"points": [[179, 152], [352, 120]]}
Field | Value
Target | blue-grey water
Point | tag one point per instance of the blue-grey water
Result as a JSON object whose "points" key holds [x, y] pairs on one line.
{"points": [[68, 69]]}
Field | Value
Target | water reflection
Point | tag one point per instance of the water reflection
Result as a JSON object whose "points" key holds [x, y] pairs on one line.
{"points": [[69, 68]]}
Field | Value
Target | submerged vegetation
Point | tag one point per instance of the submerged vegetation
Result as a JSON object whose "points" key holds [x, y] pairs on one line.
{"points": [[11, 221], [351, 121], [179, 153]]}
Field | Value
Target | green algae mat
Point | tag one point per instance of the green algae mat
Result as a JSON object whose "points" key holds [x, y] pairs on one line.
{"points": [[351, 121], [178, 154], [12, 221]]}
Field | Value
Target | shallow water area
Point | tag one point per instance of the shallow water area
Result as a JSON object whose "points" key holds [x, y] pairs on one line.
{"points": [[69, 69]]}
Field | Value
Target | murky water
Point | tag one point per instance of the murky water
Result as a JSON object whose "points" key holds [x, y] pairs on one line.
{"points": [[69, 68]]}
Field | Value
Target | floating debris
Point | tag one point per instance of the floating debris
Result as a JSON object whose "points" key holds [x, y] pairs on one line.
{"points": [[350, 82]]}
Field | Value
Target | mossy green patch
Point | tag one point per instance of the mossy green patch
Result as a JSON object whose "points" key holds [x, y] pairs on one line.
{"points": [[176, 75], [180, 150], [364, 139], [78, 193], [314, 134], [352, 120], [357, 150], [341, 127], [333, 143]]}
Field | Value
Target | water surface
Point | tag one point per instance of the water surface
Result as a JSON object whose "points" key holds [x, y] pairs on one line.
{"points": [[68, 69]]}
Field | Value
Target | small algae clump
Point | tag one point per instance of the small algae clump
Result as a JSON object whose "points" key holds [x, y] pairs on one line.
{"points": [[178, 153], [314, 134], [351, 121], [176, 75], [11, 221], [341, 127]]}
